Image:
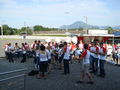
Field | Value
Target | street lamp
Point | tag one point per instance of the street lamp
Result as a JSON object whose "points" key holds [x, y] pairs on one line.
{"points": [[86, 21], [67, 16], [25, 27], [2, 28]]}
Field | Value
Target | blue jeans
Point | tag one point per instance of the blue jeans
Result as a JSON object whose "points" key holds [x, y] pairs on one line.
{"points": [[102, 70], [94, 63], [91, 58]]}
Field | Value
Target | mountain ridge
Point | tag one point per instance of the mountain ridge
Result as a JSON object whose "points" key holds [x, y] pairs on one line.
{"points": [[80, 24]]}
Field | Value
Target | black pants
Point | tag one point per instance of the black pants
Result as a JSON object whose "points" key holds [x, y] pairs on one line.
{"points": [[24, 58], [102, 70], [43, 67], [10, 57], [66, 66]]}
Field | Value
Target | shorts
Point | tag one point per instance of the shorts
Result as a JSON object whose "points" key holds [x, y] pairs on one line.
{"points": [[85, 68]]}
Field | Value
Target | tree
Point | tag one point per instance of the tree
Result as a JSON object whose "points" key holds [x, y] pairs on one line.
{"points": [[0, 30], [110, 30], [6, 30], [26, 30], [9, 30], [29, 30], [38, 28], [41, 28]]}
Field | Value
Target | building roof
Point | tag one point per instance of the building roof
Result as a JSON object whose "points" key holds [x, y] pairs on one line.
{"points": [[102, 35], [116, 33]]}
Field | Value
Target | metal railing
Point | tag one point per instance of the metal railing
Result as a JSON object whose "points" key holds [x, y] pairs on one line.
{"points": [[13, 82]]}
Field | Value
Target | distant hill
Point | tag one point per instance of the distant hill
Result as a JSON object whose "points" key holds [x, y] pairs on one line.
{"points": [[80, 24]]}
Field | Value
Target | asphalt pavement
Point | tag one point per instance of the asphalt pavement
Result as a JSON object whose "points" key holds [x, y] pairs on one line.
{"points": [[57, 81]]}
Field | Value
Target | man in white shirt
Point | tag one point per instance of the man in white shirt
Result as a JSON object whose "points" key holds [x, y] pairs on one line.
{"points": [[102, 53], [85, 65], [10, 52], [94, 56], [66, 58]]}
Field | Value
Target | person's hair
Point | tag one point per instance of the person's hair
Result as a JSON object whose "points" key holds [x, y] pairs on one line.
{"points": [[35, 41], [23, 44], [39, 41], [16, 43], [101, 43], [65, 43], [42, 47], [86, 46], [9, 44], [61, 45]]}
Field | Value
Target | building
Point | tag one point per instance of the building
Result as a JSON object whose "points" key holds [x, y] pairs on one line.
{"points": [[96, 35]]}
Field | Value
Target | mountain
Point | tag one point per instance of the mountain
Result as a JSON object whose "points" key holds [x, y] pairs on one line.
{"points": [[80, 24]]}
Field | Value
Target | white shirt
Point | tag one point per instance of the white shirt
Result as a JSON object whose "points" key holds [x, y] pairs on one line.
{"points": [[37, 53], [67, 54], [60, 52], [86, 57], [49, 52], [94, 49], [10, 48], [102, 57], [43, 57], [77, 52]]}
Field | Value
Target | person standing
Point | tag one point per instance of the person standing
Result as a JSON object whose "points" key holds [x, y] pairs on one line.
{"points": [[16, 49], [102, 53], [43, 62], [49, 51], [23, 53], [10, 52], [85, 65], [66, 58], [94, 58], [60, 56]]}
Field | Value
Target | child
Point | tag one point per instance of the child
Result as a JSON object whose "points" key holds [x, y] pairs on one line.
{"points": [[85, 65]]}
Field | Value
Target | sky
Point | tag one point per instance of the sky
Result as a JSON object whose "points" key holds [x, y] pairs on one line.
{"points": [[55, 13]]}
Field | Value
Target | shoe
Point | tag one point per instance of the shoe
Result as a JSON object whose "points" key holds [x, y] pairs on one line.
{"points": [[103, 76], [38, 77], [79, 82], [92, 72], [90, 82], [64, 73]]}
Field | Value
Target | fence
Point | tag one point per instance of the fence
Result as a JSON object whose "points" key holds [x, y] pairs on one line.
{"points": [[13, 80]]}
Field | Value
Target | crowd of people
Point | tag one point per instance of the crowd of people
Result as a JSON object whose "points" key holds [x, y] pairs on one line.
{"points": [[47, 55]]}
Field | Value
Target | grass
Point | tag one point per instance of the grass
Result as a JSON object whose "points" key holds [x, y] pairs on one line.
{"points": [[4, 38], [53, 35]]}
